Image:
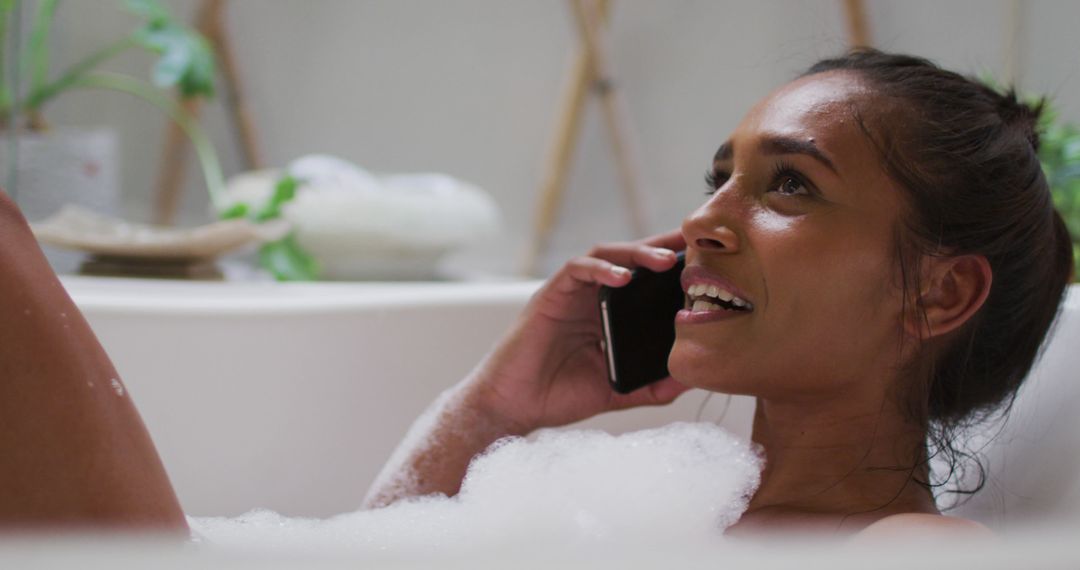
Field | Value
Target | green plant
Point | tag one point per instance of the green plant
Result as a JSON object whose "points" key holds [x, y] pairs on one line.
{"points": [[186, 63], [284, 258], [1059, 153]]}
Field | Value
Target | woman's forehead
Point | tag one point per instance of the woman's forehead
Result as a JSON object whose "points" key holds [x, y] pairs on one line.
{"points": [[819, 108], [822, 116]]}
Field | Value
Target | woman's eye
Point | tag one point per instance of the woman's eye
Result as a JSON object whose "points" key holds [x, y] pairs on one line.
{"points": [[790, 185], [714, 179]]}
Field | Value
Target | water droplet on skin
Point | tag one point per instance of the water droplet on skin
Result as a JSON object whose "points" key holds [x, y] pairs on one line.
{"points": [[117, 386]]}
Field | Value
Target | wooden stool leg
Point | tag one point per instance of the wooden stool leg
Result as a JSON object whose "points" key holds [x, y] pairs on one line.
{"points": [[614, 117], [858, 29], [235, 97], [566, 133], [210, 21], [173, 162], [174, 151]]}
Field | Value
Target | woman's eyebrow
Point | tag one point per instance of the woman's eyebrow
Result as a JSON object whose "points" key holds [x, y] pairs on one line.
{"points": [[787, 145], [780, 145]]}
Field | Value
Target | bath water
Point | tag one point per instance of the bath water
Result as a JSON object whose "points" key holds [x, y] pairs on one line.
{"points": [[584, 490]]}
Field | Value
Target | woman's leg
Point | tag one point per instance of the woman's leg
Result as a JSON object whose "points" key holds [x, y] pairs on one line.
{"points": [[73, 450]]}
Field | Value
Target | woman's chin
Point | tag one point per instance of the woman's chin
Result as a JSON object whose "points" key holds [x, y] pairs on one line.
{"points": [[698, 367]]}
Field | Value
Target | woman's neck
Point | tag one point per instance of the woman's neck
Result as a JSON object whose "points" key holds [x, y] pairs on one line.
{"points": [[834, 464]]}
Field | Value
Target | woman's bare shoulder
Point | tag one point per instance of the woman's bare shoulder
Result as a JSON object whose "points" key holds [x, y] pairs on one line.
{"points": [[925, 524]]}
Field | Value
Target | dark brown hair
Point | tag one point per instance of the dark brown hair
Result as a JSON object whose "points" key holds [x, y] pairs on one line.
{"points": [[967, 157]]}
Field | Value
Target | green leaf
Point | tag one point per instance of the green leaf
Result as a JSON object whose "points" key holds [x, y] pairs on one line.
{"points": [[1059, 153], [287, 261], [284, 191], [175, 53], [36, 62], [1076, 261], [199, 77], [236, 211], [1071, 151], [187, 61], [7, 97], [988, 79]]}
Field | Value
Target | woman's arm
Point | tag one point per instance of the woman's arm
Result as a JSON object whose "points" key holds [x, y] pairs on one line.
{"points": [[547, 371], [73, 450]]}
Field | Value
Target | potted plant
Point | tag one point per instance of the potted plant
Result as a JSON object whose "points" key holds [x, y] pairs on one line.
{"points": [[54, 165]]}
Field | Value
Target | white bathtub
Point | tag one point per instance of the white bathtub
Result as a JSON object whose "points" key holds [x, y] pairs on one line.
{"points": [[290, 397]]}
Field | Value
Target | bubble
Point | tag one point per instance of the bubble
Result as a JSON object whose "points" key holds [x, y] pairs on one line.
{"points": [[574, 490]]}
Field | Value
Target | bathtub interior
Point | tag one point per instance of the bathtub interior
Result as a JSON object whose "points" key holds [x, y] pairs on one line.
{"points": [[291, 397], [1032, 456]]}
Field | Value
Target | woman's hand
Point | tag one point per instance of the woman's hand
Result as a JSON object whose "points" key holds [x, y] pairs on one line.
{"points": [[550, 369]]}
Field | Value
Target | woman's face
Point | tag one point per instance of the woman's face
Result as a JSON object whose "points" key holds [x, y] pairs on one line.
{"points": [[801, 228]]}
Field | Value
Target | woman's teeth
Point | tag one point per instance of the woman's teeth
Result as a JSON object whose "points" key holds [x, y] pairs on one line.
{"points": [[705, 297], [700, 306]]}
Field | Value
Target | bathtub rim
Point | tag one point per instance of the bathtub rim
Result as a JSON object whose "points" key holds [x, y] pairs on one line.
{"points": [[117, 296]]}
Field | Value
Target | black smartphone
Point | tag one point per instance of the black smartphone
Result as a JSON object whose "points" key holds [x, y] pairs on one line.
{"points": [[639, 326]]}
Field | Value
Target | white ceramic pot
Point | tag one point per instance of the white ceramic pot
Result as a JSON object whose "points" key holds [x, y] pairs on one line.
{"points": [[61, 166]]}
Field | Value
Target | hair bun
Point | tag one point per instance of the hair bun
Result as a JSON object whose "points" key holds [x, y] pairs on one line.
{"points": [[1020, 115]]}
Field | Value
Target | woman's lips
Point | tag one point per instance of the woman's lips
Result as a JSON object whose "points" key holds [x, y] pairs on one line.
{"points": [[690, 317], [711, 297]]}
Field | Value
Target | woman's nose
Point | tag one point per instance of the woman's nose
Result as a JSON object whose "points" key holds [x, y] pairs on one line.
{"points": [[707, 230]]}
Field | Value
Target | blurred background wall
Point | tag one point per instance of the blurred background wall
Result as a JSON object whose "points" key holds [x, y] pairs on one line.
{"points": [[472, 88]]}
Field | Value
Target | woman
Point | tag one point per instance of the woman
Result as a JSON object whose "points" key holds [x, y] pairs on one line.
{"points": [[890, 227], [886, 222]]}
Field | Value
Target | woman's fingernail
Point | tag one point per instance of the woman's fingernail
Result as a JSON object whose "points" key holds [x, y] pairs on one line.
{"points": [[619, 271], [661, 252]]}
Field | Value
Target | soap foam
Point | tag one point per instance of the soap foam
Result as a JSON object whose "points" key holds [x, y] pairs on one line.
{"points": [[575, 490]]}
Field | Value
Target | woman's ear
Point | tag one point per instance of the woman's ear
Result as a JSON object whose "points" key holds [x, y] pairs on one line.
{"points": [[953, 289]]}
